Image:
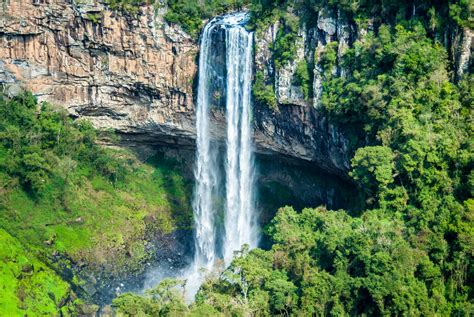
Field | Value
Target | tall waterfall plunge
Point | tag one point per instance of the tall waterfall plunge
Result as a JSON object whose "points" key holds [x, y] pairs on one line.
{"points": [[213, 242]]}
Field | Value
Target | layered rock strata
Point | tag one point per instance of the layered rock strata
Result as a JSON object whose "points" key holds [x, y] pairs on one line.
{"points": [[135, 74]]}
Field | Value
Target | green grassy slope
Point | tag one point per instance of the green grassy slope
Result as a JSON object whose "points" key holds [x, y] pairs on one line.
{"points": [[71, 202], [28, 286]]}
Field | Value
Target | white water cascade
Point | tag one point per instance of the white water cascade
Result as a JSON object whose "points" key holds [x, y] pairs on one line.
{"points": [[240, 225], [237, 175]]}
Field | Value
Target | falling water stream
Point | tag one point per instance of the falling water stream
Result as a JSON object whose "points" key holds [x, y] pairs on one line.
{"points": [[224, 195], [237, 175], [240, 225]]}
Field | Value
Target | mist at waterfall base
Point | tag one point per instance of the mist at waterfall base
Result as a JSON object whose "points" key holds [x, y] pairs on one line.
{"points": [[224, 202]]}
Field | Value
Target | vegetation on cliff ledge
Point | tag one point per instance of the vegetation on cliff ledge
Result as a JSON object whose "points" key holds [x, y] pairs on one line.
{"points": [[190, 15]]}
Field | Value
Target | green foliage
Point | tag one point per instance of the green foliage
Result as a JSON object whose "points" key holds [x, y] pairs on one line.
{"points": [[284, 49], [63, 194], [328, 263], [27, 285], [36, 137], [94, 17], [324, 263], [262, 16], [166, 299], [128, 6], [461, 13], [397, 93], [434, 15], [190, 14], [303, 78], [372, 167], [263, 93], [328, 59]]}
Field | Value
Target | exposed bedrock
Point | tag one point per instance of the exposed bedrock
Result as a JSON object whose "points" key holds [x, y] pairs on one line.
{"points": [[132, 74], [135, 75]]}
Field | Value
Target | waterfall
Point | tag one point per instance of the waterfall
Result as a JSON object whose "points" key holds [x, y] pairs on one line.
{"points": [[237, 175], [206, 172], [240, 227]]}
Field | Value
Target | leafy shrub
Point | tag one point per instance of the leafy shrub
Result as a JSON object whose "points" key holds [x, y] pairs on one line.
{"points": [[128, 6], [284, 49], [190, 15], [263, 93], [373, 167], [303, 78], [166, 299], [328, 59]]}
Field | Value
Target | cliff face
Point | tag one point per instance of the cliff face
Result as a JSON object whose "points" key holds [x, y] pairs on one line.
{"points": [[135, 74], [303, 129], [300, 127]]}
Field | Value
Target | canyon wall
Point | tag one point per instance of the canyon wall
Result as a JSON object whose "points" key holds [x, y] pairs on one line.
{"points": [[136, 73], [130, 73]]}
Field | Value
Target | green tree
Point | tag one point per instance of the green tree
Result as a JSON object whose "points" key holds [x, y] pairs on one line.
{"points": [[372, 168]]}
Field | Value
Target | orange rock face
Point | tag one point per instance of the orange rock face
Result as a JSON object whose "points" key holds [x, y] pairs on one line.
{"points": [[124, 72]]}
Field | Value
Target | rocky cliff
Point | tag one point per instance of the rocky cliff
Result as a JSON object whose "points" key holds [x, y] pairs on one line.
{"points": [[130, 73], [135, 74], [303, 129], [299, 126]]}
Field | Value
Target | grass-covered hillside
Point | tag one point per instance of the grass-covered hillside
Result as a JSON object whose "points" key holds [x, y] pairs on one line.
{"points": [[28, 286], [68, 203]]}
